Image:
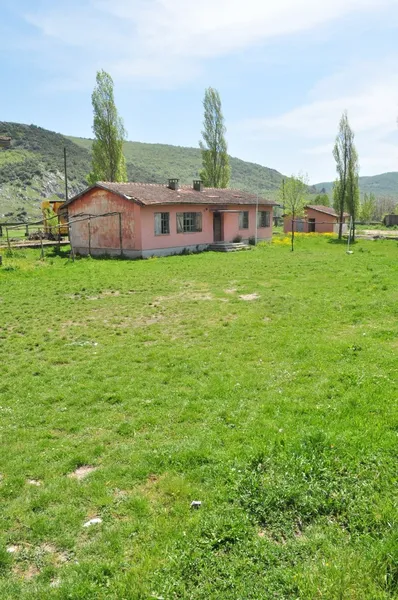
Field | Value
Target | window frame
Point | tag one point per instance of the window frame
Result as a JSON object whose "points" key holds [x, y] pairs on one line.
{"points": [[243, 218], [162, 215], [189, 222], [261, 214]]}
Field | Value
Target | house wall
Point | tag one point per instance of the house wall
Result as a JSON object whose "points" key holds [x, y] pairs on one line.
{"points": [[323, 223], [105, 231], [138, 226], [178, 241]]}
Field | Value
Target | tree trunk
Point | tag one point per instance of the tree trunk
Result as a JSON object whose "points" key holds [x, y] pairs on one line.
{"points": [[341, 224], [292, 231]]}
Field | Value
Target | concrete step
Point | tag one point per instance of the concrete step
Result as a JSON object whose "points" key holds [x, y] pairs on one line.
{"points": [[228, 247]]}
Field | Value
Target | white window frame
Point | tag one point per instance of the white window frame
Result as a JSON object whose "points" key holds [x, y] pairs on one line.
{"points": [[160, 222]]}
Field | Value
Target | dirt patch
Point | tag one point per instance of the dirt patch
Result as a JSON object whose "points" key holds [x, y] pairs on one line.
{"points": [[267, 320], [13, 549], [27, 573], [249, 297], [231, 291], [82, 472], [35, 482]]}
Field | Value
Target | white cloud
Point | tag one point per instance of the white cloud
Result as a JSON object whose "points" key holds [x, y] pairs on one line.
{"points": [[145, 39]]}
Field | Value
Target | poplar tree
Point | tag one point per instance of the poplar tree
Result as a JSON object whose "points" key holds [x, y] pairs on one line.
{"points": [[215, 160], [352, 196], [343, 155], [294, 192], [108, 162]]}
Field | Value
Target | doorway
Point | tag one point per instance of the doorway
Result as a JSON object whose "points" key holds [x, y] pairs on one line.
{"points": [[311, 225], [217, 227]]}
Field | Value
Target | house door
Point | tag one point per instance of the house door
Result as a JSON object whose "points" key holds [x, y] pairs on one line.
{"points": [[217, 227], [311, 225]]}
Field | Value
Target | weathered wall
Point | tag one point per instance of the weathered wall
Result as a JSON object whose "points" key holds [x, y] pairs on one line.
{"points": [[105, 231], [323, 223]]}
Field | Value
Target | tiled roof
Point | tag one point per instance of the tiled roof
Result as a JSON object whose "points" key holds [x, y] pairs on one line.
{"points": [[328, 210], [148, 194]]}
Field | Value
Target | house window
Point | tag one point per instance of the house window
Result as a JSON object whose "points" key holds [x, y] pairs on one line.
{"points": [[244, 219], [263, 218], [162, 223], [189, 222]]}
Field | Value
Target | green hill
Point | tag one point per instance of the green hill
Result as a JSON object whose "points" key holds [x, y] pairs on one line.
{"points": [[33, 168], [384, 185], [156, 163]]}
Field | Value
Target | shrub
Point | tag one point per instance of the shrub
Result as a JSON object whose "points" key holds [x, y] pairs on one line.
{"points": [[237, 239], [252, 240]]}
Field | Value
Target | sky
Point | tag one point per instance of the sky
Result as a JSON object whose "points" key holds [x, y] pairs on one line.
{"points": [[285, 70]]}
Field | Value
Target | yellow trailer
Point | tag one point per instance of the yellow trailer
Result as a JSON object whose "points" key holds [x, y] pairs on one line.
{"points": [[55, 220]]}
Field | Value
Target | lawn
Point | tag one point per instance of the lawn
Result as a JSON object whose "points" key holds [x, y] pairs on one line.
{"points": [[261, 383]]}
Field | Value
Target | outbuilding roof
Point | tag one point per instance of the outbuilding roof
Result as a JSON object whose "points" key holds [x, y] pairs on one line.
{"points": [[328, 210], [148, 194]]}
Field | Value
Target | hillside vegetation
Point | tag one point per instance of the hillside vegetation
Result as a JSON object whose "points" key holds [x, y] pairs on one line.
{"points": [[385, 184], [33, 169], [156, 163]]}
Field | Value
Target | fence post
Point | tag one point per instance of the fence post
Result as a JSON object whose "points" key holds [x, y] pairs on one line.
{"points": [[89, 236], [8, 240], [42, 249], [120, 234]]}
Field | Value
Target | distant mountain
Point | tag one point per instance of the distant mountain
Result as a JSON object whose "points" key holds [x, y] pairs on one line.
{"points": [[33, 168], [384, 185]]}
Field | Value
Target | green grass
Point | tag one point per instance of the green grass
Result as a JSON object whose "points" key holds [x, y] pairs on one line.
{"points": [[278, 413]]}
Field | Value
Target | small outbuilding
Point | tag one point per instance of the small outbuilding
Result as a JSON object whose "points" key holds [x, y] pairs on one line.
{"points": [[316, 219], [142, 220], [390, 220]]}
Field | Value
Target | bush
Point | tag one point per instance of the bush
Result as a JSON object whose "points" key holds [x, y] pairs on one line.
{"points": [[237, 239], [252, 240]]}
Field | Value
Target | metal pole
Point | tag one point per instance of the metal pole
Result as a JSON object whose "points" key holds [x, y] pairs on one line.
{"points": [[66, 176], [89, 237], [120, 234], [255, 237]]}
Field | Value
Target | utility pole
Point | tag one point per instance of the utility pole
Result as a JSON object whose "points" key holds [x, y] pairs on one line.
{"points": [[66, 176]]}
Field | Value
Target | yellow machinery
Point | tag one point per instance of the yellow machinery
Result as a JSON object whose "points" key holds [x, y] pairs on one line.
{"points": [[55, 220]]}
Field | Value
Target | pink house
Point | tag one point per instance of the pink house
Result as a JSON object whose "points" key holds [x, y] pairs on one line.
{"points": [[317, 219], [142, 220]]}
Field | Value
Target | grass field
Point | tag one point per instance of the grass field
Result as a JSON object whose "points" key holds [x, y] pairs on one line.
{"points": [[262, 384]]}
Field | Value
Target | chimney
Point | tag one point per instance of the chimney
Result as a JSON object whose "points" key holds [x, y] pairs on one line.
{"points": [[174, 184], [198, 185]]}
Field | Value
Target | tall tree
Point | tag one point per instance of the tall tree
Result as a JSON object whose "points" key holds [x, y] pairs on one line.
{"points": [[342, 153], [294, 191], [368, 207], [322, 199], [108, 162], [352, 196], [216, 170]]}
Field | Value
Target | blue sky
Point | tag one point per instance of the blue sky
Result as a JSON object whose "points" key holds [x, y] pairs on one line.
{"points": [[285, 70]]}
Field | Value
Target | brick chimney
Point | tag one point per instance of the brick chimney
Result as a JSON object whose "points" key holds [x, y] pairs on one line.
{"points": [[174, 184], [198, 185]]}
